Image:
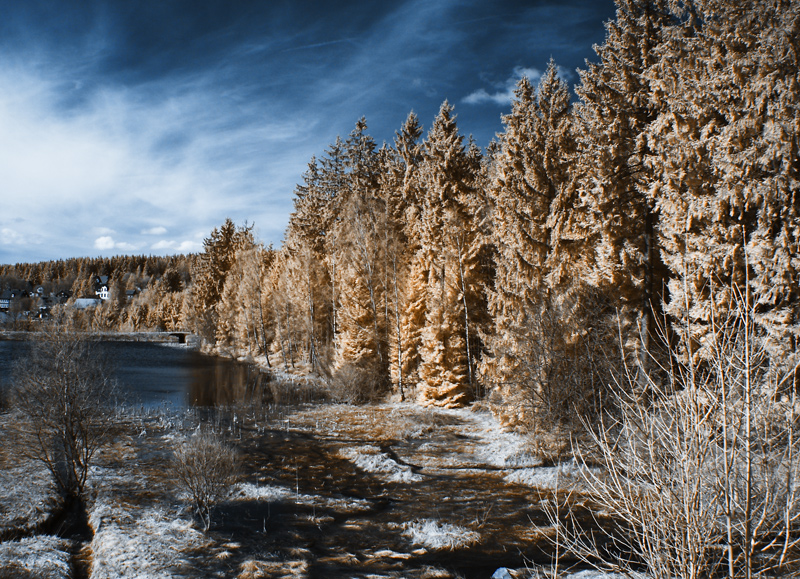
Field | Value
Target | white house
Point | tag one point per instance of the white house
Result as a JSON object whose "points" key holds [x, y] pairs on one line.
{"points": [[101, 286]]}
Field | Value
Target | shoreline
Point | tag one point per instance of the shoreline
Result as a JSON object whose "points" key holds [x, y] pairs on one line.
{"points": [[192, 341]]}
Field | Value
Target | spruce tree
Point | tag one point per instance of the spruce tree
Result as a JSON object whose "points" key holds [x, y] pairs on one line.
{"points": [[724, 160], [212, 269], [361, 339], [529, 182], [616, 206], [447, 178]]}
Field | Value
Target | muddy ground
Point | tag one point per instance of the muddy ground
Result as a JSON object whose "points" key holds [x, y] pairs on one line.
{"points": [[381, 491]]}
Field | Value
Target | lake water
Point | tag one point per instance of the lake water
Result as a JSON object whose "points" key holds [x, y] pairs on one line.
{"points": [[154, 374]]}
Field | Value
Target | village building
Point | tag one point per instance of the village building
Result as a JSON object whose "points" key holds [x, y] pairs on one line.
{"points": [[101, 286]]}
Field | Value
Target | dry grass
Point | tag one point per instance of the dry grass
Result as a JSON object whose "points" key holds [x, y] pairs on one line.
{"points": [[43, 557], [28, 498], [382, 423]]}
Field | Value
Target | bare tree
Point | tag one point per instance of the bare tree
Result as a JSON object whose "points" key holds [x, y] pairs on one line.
{"points": [[206, 468], [63, 390], [699, 476]]}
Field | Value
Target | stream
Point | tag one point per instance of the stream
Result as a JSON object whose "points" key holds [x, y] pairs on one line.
{"points": [[327, 491]]}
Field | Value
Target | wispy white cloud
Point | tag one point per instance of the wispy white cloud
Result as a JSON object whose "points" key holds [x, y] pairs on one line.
{"points": [[172, 246], [482, 96], [90, 176], [503, 93], [10, 237], [107, 243]]}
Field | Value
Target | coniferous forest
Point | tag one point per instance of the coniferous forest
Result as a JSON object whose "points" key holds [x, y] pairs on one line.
{"points": [[591, 232]]}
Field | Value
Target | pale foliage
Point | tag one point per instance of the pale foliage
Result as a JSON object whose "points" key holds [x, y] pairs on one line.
{"points": [[447, 265], [64, 391], [537, 343], [207, 469], [724, 161], [699, 477]]}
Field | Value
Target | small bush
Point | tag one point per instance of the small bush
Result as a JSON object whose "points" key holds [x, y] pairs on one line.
{"points": [[206, 468], [352, 384], [63, 390]]}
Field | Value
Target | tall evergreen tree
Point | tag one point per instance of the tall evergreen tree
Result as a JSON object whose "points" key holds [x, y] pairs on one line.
{"points": [[529, 188], [409, 299], [616, 209], [362, 339], [724, 159], [447, 177], [212, 269]]}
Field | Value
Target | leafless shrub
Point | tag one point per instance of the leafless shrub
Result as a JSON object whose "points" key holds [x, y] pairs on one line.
{"points": [[352, 384], [63, 390], [700, 474], [206, 468], [566, 350]]}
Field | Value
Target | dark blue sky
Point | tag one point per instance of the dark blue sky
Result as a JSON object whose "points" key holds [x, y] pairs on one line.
{"points": [[138, 126]]}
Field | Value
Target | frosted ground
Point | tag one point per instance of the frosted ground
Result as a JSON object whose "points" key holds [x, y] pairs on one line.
{"points": [[382, 491]]}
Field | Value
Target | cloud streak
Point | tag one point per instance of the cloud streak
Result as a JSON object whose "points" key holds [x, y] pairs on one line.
{"points": [[140, 127], [503, 93]]}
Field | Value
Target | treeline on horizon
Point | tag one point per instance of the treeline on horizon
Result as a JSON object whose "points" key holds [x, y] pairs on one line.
{"points": [[535, 270]]}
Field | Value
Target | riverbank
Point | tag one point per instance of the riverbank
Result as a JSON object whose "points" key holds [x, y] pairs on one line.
{"points": [[380, 491], [183, 338]]}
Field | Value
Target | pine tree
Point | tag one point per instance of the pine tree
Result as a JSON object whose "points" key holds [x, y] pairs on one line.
{"points": [[408, 287], [447, 178], [360, 231], [212, 269], [724, 159], [616, 209], [239, 308], [529, 188]]}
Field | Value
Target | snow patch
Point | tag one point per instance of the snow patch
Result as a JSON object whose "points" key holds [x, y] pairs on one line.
{"points": [[568, 475], [247, 491], [28, 497], [148, 548], [44, 557], [261, 493], [435, 534], [370, 459]]}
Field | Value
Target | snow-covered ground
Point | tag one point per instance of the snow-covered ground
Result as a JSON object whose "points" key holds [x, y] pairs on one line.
{"points": [[371, 459], [332, 490], [435, 534], [271, 493], [147, 543], [42, 557]]}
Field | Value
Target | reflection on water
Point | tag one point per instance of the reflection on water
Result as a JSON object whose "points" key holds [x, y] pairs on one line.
{"points": [[156, 374], [217, 382]]}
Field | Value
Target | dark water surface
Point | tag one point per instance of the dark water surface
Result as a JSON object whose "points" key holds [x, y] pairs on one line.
{"points": [[156, 374]]}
